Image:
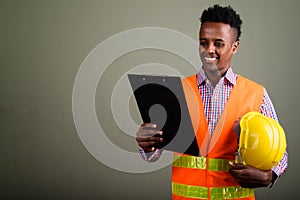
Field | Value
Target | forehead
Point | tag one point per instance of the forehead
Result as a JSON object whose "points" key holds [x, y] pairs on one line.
{"points": [[216, 30]]}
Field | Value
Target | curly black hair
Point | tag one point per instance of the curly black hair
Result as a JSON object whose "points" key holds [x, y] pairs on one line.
{"points": [[225, 15]]}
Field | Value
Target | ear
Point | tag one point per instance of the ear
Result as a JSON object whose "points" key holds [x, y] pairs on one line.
{"points": [[235, 47]]}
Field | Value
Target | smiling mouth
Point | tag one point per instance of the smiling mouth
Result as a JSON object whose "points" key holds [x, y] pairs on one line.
{"points": [[209, 59]]}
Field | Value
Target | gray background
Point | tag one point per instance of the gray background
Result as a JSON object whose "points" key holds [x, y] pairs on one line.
{"points": [[43, 44]]}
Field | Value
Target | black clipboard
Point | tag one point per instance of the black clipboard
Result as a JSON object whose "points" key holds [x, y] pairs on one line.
{"points": [[161, 100]]}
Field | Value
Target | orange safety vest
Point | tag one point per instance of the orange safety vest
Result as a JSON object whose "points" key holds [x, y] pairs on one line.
{"points": [[208, 177]]}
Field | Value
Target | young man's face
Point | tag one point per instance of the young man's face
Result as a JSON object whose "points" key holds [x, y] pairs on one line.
{"points": [[217, 45]]}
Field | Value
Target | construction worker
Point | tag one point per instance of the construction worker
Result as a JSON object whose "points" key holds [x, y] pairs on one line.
{"points": [[223, 98]]}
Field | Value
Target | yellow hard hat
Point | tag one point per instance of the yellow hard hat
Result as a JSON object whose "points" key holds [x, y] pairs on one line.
{"points": [[262, 141]]}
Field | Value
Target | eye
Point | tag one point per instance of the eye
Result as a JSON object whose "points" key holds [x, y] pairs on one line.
{"points": [[203, 42], [219, 44]]}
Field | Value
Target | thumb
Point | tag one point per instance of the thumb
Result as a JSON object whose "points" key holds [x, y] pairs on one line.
{"points": [[235, 165]]}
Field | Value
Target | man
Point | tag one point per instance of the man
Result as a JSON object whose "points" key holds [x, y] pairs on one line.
{"points": [[224, 97]]}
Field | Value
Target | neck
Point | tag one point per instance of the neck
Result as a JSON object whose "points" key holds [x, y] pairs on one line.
{"points": [[214, 77]]}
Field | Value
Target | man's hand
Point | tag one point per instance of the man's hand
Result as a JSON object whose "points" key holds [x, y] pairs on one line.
{"points": [[148, 137], [250, 177]]}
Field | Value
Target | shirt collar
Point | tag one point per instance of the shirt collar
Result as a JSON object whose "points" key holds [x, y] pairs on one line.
{"points": [[230, 77]]}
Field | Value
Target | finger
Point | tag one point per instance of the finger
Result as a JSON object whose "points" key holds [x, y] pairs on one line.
{"points": [[148, 144], [146, 133], [236, 166], [149, 133], [251, 177], [147, 129], [149, 139], [149, 149], [148, 125], [254, 175]]}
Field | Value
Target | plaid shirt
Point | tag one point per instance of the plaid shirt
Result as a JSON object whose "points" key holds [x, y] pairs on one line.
{"points": [[214, 100]]}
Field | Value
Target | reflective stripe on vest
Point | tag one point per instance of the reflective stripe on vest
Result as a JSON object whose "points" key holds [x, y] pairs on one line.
{"points": [[200, 192], [200, 163]]}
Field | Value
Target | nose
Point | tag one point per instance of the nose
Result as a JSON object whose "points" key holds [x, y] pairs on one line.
{"points": [[210, 49]]}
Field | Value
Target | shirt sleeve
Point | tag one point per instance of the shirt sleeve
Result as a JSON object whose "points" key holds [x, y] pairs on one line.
{"points": [[150, 157], [267, 109]]}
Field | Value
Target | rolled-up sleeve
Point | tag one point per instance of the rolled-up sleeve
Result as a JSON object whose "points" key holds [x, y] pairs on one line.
{"points": [[267, 109]]}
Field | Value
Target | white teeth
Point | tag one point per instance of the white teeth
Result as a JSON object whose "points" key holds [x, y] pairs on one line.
{"points": [[210, 59]]}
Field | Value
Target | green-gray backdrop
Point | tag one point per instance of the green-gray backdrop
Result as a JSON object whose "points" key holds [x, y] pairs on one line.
{"points": [[43, 44]]}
